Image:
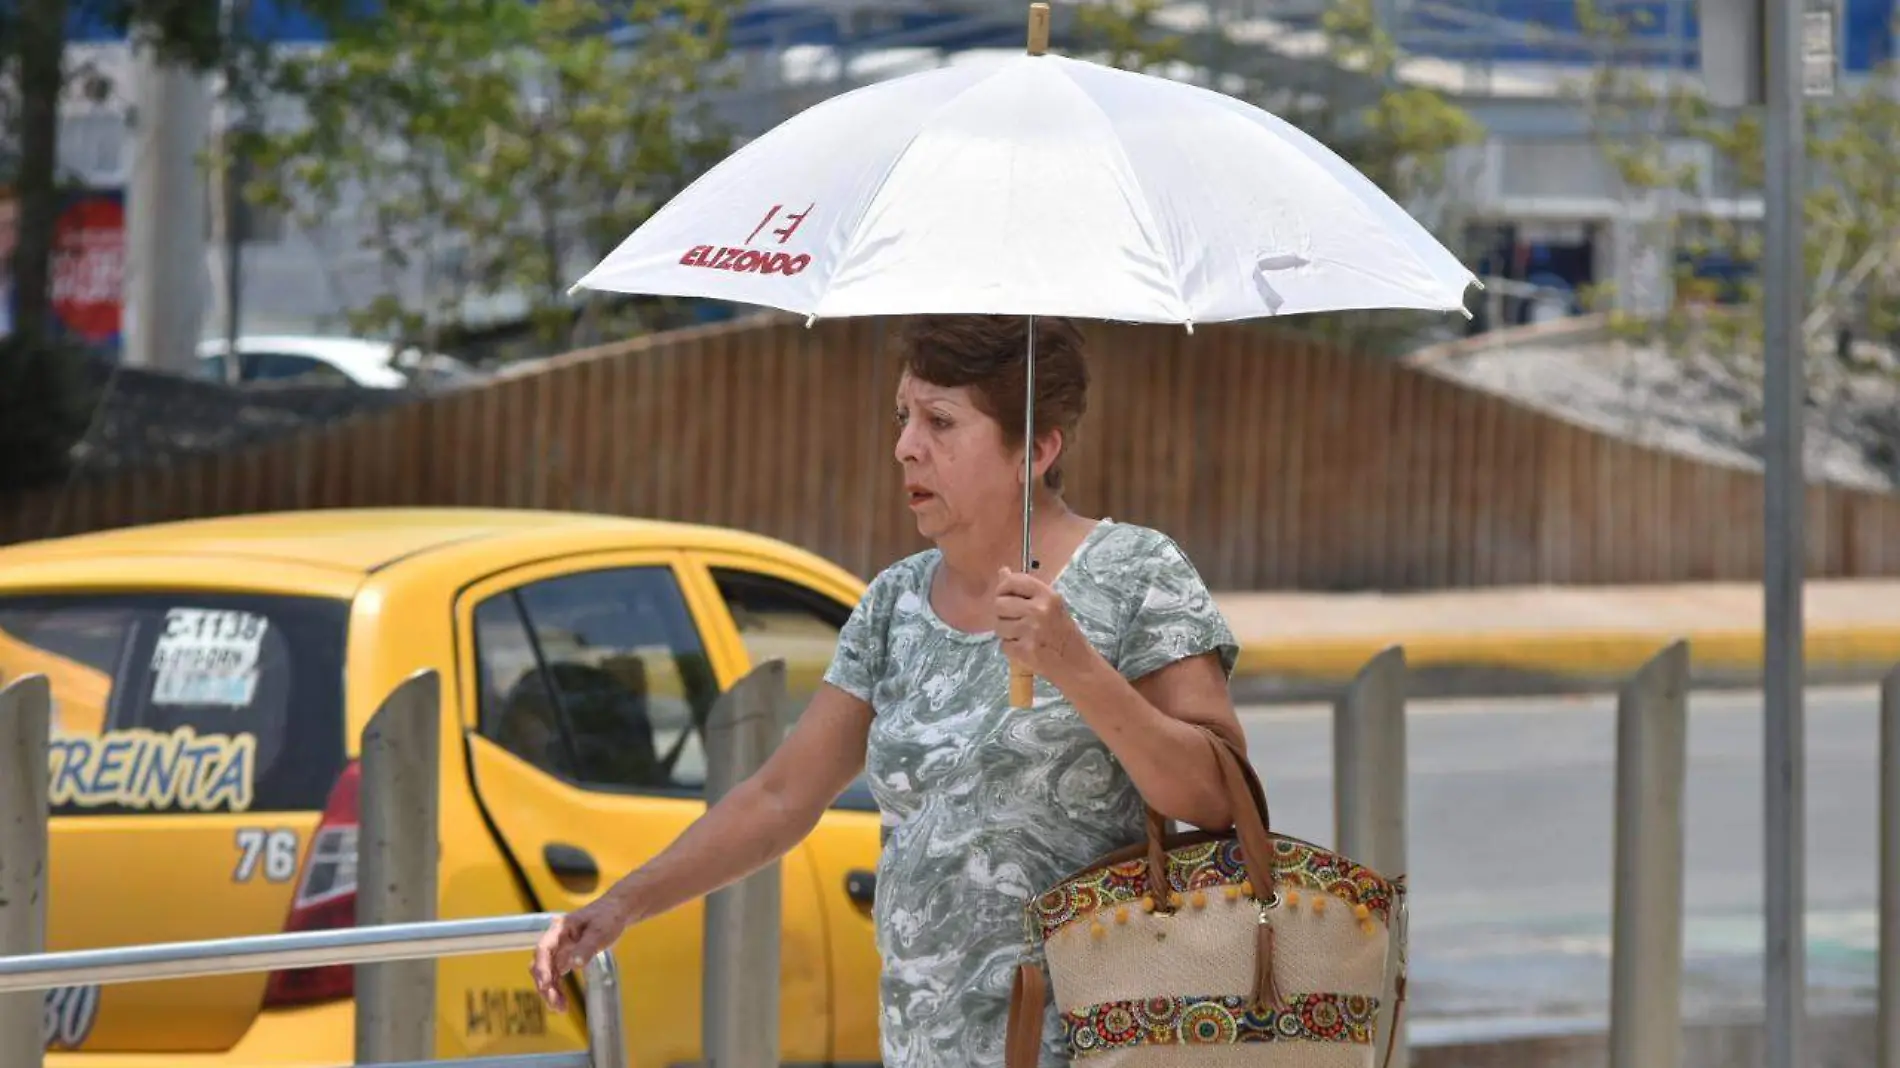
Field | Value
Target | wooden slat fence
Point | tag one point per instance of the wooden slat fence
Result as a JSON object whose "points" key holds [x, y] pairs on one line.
{"points": [[1276, 461]]}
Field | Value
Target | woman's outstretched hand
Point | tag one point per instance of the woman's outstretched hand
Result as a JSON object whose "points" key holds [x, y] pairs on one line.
{"points": [[571, 941], [1035, 626]]}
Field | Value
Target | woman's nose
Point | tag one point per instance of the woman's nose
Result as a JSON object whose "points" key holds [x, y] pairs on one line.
{"points": [[906, 447]]}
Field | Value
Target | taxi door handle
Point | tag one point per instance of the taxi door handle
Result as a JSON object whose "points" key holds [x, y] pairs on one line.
{"points": [[570, 862]]}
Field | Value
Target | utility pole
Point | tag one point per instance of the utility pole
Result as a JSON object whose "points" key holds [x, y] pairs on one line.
{"points": [[165, 208], [1775, 54], [1803, 38]]}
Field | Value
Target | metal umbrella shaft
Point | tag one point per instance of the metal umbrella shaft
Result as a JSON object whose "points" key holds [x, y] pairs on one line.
{"points": [[1022, 683]]}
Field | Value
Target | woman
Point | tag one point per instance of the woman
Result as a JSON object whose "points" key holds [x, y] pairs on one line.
{"points": [[984, 804]]}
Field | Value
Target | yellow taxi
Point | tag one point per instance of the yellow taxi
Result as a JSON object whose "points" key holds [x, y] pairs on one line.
{"points": [[211, 681]]}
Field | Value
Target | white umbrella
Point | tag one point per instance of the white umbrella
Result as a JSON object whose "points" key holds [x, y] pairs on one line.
{"points": [[1037, 185]]}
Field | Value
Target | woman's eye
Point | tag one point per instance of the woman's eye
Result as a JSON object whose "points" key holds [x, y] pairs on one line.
{"points": [[940, 422]]}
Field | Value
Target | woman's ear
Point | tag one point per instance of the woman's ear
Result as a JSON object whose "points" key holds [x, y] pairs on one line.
{"points": [[1049, 448]]}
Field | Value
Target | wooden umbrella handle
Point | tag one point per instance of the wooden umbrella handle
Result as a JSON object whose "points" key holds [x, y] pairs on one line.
{"points": [[1022, 687]]}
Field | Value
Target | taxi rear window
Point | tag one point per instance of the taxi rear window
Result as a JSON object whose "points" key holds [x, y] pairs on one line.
{"points": [[185, 702]]}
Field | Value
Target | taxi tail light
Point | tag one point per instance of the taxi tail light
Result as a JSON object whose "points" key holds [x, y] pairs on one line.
{"points": [[326, 899]]}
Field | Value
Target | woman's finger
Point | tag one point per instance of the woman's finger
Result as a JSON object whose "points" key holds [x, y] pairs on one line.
{"points": [[590, 944], [544, 947], [547, 977], [1020, 584]]}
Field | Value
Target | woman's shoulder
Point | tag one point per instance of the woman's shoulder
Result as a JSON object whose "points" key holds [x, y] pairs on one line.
{"points": [[896, 581], [908, 573], [1166, 611], [860, 659], [1129, 550]]}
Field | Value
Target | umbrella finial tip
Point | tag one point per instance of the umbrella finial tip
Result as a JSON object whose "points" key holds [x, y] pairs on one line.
{"points": [[1038, 28]]}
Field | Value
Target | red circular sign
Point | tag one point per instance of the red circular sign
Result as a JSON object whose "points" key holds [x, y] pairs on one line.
{"points": [[89, 267]]}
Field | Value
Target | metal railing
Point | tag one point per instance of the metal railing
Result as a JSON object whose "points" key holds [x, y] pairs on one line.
{"points": [[395, 930], [395, 926], [606, 1041]]}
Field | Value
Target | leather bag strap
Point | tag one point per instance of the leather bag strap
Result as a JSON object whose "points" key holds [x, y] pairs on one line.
{"points": [[1023, 1041], [1392, 1033], [1247, 799]]}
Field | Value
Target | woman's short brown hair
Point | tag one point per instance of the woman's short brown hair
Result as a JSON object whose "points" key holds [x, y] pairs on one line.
{"points": [[985, 354]]}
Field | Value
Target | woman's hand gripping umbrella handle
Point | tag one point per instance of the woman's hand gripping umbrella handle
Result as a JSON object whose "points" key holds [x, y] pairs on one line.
{"points": [[1022, 679]]}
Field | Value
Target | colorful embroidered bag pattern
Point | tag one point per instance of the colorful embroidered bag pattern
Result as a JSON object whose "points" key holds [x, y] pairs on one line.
{"points": [[1272, 949]]}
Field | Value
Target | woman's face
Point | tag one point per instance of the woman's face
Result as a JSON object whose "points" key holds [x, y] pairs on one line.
{"points": [[958, 471]]}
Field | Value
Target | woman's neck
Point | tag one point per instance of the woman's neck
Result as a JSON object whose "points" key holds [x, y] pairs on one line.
{"points": [[971, 560]]}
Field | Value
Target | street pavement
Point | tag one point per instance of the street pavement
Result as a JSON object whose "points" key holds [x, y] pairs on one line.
{"points": [[1510, 835]]}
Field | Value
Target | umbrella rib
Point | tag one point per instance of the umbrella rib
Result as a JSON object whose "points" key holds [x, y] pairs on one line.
{"points": [[1151, 224], [1365, 195], [857, 230], [1357, 201], [1438, 302]]}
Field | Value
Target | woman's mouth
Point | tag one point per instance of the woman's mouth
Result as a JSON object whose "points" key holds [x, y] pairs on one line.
{"points": [[919, 496]]}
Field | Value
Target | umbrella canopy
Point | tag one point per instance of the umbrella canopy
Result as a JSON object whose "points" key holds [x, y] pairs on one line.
{"points": [[1037, 185]]}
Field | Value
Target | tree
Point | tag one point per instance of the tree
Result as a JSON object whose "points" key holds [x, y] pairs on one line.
{"points": [[43, 401], [1684, 166], [189, 32], [1352, 98], [39, 28], [492, 149]]}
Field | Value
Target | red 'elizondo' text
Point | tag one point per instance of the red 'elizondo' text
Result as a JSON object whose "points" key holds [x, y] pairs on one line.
{"points": [[744, 260]]}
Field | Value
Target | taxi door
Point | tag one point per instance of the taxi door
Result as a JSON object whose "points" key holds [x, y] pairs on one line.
{"points": [[776, 609], [589, 679]]}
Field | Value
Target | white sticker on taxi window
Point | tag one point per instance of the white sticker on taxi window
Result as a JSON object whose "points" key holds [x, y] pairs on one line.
{"points": [[207, 657]]}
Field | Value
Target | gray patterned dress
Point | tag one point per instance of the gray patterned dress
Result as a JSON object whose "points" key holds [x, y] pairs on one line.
{"points": [[985, 805]]}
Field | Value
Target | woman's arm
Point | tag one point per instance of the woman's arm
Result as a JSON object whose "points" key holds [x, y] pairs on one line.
{"points": [[1150, 726], [1176, 648], [758, 822], [762, 818]]}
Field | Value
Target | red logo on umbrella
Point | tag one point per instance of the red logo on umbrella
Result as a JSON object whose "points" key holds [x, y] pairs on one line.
{"points": [[747, 260]]}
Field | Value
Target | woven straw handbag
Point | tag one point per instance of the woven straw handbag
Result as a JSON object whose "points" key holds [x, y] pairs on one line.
{"points": [[1236, 948]]}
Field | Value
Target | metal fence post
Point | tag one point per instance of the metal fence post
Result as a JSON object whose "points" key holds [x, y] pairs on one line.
{"points": [[1652, 750], [1888, 1036], [26, 713], [741, 990], [397, 852], [606, 1019], [1369, 781]]}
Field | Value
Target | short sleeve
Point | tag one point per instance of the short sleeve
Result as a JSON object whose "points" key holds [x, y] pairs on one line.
{"points": [[859, 658], [1174, 617]]}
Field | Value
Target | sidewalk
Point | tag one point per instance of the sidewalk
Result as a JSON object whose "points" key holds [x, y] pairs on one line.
{"points": [[1546, 639]]}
